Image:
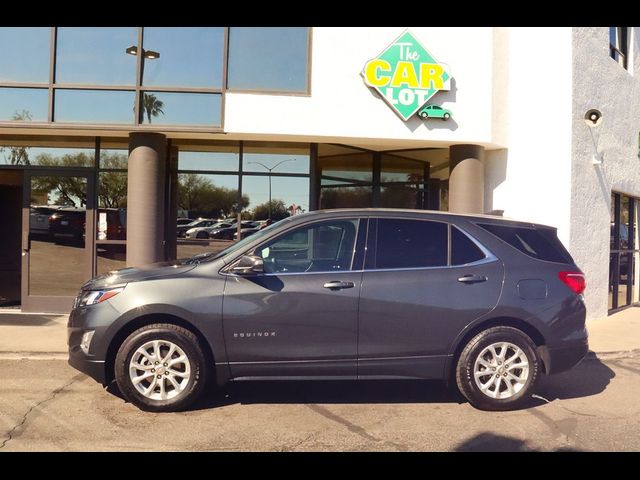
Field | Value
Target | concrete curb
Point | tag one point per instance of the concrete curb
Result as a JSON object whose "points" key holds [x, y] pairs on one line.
{"points": [[33, 356]]}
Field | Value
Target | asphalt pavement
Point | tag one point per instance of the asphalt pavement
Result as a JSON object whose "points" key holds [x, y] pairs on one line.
{"points": [[45, 405]]}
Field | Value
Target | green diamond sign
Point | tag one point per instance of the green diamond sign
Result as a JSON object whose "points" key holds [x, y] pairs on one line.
{"points": [[406, 75]]}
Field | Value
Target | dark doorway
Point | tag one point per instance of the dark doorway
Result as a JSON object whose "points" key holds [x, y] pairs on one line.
{"points": [[11, 182]]}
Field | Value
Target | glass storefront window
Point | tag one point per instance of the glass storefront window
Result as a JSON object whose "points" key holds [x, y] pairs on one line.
{"points": [[289, 196], [18, 154], [94, 106], [24, 104], [110, 257], [623, 255], [96, 55], [226, 158], [397, 169], [281, 158], [57, 259], [114, 159], [189, 56], [111, 217], [207, 196], [167, 108], [268, 59], [28, 58], [345, 197]]}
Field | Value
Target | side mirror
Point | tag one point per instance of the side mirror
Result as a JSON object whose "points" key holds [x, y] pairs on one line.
{"points": [[248, 264]]}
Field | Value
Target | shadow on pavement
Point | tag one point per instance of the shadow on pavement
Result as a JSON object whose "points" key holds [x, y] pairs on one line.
{"points": [[336, 392], [489, 442], [589, 377]]}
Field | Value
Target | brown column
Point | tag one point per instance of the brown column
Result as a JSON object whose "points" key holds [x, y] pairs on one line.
{"points": [[466, 179], [145, 198]]}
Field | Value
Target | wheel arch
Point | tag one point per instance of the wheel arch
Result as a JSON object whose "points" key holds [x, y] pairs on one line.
{"points": [[149, 319], [532, 332]]}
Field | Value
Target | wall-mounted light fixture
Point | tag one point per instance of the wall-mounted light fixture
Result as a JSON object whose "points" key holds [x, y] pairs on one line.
{"points": [[593, 118]]}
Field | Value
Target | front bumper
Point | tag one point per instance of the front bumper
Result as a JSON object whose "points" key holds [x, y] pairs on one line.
{"points": [[94, 368]]}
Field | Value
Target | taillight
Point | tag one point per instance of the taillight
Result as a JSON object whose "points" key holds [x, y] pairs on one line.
{"points": [[574, 280]]}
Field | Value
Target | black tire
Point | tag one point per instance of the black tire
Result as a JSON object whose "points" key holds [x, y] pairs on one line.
{"points": [[465, 369], [181, 337], [446, 116], [423, 115]]}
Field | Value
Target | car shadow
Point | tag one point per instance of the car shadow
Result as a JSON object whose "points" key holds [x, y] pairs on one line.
{"points": [[330, 392], [590, 377]]}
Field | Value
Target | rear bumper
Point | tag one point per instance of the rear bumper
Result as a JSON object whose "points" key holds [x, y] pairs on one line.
{"points": [[560, 359]]}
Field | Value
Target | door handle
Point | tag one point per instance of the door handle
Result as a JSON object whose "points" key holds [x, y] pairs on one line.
{"points": [[472, 279], [338, 285]]}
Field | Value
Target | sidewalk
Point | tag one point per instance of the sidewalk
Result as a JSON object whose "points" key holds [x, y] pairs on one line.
{"points": [[45, 335]]}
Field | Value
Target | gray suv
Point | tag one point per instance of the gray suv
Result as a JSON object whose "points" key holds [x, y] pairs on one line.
{"points": [[487, 303]]}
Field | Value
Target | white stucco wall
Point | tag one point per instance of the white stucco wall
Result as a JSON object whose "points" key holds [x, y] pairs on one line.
{"points": [[530, 180], [342, 108], [599, 82]]}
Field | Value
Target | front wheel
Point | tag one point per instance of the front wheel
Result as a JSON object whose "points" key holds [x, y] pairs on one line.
{"points": [[498, 369], [423, 115], [446, 116], [161, 368]]}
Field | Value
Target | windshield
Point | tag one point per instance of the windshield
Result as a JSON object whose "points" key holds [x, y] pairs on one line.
{"points": [[206, 257]]}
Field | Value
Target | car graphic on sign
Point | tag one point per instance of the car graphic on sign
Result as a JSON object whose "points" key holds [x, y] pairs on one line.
{"points": [[434, 111]]}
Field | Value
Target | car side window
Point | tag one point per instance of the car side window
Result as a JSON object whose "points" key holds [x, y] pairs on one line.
{"points": [[411, 243], [319, 247], [463, 250]]}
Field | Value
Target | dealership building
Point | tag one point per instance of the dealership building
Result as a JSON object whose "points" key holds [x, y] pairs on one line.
{"points": [[108, 135]]}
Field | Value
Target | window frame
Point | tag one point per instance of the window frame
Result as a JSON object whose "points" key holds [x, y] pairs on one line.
{"points": [[621, 46], [306, 93]]}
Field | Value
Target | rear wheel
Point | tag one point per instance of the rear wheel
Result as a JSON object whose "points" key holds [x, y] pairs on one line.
{"points": [[161, 368], [498, 369]]}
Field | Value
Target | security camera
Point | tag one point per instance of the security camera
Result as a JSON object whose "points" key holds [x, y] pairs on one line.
{"points": [[593, 117]]}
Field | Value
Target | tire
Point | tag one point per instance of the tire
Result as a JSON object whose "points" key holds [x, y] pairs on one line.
{"points": [[193, 372], [446, 116], [479, 346], [423, 115], [202, 235]]}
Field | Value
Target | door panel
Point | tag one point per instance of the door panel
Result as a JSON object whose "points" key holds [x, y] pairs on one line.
{"points": [[57, 254], [410, 316], [291, 318], [300, 317]]}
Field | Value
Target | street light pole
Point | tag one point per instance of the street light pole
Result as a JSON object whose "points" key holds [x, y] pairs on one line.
{"points": [[270, 170]]}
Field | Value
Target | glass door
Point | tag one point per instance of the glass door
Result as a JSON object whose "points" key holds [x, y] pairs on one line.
{"points": [[57, 246]]}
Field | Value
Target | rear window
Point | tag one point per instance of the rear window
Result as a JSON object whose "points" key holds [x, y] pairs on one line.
{"points": [[540, 243]]}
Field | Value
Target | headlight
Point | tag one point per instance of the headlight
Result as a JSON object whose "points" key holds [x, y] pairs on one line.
{"points": [[91, 297]]}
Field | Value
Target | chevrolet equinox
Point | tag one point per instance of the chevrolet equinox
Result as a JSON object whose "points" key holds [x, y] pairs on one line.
{"points": [[483, 302]]}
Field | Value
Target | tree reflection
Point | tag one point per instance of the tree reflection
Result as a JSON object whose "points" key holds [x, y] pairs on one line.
{"points": [[152, 106], [345, 197], [278, 210], [200, 197], [19, 155]]}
